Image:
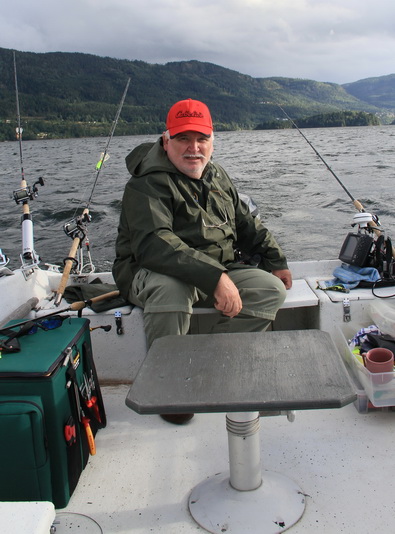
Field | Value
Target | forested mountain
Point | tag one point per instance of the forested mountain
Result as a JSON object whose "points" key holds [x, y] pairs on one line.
{"points": [[378, 92], [73, 94]]}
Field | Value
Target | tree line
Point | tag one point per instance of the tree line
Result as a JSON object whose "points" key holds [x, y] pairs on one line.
{"points": [[325, 120], [77, 95]]}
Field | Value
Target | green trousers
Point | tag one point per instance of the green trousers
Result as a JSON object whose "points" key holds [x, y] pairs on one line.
{"points": [[168, 302]]}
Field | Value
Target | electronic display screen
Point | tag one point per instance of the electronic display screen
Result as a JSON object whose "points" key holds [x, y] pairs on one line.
{"points": [[355, 249]]}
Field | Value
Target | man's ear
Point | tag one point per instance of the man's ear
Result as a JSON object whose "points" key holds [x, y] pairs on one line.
{"points": [[165, 140]]}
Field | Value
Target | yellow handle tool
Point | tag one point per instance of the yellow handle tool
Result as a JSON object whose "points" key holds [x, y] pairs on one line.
{"points": [[89, 435]]}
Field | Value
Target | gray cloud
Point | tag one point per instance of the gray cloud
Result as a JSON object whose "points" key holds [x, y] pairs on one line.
{"points": [[327, 40]]}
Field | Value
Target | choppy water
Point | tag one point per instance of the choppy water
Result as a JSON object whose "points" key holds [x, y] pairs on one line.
{"points": [[298, 198]]}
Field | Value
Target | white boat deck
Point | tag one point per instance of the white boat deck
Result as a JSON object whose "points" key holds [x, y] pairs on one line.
{"points": [[140, 479]]}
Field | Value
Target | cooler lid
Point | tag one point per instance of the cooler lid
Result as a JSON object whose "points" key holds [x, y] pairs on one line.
{"points": [[42, 352]]}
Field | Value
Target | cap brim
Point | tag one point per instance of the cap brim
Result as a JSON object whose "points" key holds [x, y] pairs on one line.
{"points": [[191, 128]]}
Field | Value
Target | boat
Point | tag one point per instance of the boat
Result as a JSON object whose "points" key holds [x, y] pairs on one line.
{"points": [[142, 475], [144, 469]]}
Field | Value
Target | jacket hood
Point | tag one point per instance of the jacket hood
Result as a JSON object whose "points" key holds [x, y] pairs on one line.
{"points": [[147, 158]]}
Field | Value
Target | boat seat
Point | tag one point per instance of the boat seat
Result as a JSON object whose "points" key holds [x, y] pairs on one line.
{"points": [[241, 375], [299, 296]]}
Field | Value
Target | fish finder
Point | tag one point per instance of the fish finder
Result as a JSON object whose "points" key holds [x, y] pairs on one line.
{"points": [[356, 249]]}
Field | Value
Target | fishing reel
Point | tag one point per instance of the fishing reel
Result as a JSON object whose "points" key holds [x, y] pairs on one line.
{"points": [[366, 221], [23, 195], [361, 248], [76, 228]]}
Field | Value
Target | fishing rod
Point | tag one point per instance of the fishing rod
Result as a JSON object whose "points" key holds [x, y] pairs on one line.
{"points": [[76, 229], [373, 221], [25, 193], [356, 203], [105, 155], [75, 306]]}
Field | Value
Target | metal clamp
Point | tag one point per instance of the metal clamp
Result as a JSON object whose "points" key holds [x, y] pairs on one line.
{"points": [[118, 322], [3, 259], [346, 310]]}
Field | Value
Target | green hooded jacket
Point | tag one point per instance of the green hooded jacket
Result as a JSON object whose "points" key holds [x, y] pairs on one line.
{"points": [[183, 227]]}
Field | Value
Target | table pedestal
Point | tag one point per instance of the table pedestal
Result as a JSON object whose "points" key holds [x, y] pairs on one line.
{"points": [[242, 374], [242, 502]]}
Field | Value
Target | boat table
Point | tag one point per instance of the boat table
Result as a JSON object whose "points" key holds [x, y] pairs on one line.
{"points": [[243, 375]]}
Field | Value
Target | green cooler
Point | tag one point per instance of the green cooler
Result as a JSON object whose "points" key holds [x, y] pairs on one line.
{"points": [[50, 410]]}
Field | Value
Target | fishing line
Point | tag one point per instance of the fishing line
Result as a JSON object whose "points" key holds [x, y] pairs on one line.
{"points": [[355, 202], [374, 222], [104, 155], [76, 228], [18, 118], [25, 193]]}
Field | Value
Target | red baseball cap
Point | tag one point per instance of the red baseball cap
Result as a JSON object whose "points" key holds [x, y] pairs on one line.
{"points": [[189, 115]]}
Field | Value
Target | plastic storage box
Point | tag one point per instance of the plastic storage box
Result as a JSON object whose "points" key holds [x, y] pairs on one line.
{"points": [[382, 313], [379, 387]]}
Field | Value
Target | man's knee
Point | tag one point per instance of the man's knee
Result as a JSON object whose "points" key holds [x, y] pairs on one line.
{"points": [[158, 293], [281, 290], [262, 293]]}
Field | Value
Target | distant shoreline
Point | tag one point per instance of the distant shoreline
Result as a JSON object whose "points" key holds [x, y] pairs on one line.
{"points": [[34, 130]]}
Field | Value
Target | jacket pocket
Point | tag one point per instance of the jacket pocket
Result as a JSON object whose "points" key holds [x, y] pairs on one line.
{"points": [[138, 283]]}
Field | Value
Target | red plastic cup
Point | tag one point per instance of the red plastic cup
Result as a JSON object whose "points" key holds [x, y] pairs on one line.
{"points": [[379, 361]]}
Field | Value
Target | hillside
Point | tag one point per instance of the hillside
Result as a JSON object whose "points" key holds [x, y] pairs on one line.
{"points": [[73, 94], [378, 92]]}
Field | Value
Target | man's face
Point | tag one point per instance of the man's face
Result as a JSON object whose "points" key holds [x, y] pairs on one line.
{"points": [[189, 152]]}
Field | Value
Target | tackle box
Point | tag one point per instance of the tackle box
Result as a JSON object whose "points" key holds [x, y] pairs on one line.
{"points": [[50, 410]]}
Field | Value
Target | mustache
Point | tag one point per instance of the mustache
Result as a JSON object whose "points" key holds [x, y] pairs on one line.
{"points": [[193, 156]]}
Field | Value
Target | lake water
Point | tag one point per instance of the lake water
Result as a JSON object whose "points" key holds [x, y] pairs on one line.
{"points": [[298, 198]]}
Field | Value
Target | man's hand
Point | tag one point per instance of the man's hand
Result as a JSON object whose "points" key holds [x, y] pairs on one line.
{"points": [[284, 275], [227, 298]]}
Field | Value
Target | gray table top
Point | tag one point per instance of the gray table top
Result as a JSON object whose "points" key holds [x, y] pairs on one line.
{"points": [[281, 370]]}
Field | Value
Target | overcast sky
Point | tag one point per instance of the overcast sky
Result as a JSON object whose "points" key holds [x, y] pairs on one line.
{"points": [[325, 40]]}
